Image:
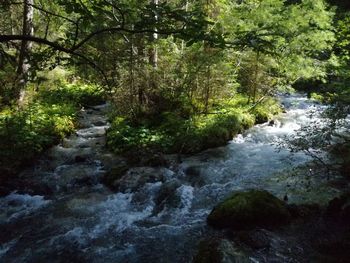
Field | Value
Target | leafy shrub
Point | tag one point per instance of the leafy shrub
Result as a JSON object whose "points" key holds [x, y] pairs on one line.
{"points": [[176, 134], [172, 132], [122, 137], [266, 110], [25, 134], [80, 94]]}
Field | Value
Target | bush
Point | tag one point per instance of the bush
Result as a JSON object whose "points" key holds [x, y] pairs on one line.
{"points": [[266, 110], [122, 137], [176, 134], [25, 134], [172, 132], [79, 94]]}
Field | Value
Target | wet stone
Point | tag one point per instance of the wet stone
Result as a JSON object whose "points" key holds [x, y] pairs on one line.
{"points": [[216, 250], [167, 196], [256, 239], [137, 177]]}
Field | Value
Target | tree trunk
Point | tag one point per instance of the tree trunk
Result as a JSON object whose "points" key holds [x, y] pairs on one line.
{"points": [[26, 47], [256, 74], [154, 51], [207, 91], [183, 42]]}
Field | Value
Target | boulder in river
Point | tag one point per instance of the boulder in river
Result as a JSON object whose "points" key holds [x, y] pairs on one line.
{"points": [[136, 177], [114, 174], [215, 250], [339, 208], [155, 160], [304, 211], [247, 210], [255, 239], [167, 196]]}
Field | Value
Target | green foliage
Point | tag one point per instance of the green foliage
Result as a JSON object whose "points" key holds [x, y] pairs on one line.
{"points": [[174, 133], [80, 94], [171, 132], [48, 118], [122, 137], [7, 77], [206, 75], [25, 134], [329, 134], [266, 110]]}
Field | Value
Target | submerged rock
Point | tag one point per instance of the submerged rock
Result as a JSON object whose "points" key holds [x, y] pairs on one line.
{"points": [[256, 239], [167, 196], [304, 211], [194, 175], [137, 177], [246, 210], [339, 208], [114, 174], [155, 160], [216, 250], [333, 249]]}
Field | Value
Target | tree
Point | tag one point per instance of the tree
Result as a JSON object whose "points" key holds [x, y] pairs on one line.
{"points": [[83, 21], [285, 42], [26, 48]]}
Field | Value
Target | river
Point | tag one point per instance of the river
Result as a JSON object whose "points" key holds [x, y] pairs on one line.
{"points": [[162, 218]]}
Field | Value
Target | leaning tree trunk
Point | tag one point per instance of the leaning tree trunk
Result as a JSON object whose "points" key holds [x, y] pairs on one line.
{"points": [[26, 47]]}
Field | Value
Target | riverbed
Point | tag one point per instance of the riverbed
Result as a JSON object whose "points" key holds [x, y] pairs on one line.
{"points": [[161, 219]]}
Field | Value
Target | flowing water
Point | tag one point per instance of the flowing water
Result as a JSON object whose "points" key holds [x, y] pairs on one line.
{"points": [[160, 215]]}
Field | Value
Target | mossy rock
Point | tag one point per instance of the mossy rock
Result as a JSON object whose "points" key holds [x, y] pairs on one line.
{"points": [[246, 210]]}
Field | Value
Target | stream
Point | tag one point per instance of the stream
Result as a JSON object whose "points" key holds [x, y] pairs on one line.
{"points": [[160, 213]]}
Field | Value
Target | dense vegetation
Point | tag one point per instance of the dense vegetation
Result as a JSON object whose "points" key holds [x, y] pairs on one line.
{"points": [[48, 118], [181, 76], [175, 77]]}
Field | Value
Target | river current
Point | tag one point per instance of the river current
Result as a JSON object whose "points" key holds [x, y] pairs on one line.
{"points": [[158, 220]]}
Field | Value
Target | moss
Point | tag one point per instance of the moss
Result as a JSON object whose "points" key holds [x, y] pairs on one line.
{"points": [[244, 210]]}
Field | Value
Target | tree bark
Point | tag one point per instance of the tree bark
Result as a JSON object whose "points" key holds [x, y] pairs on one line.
{"points": [[26, 47], [154, 51]]}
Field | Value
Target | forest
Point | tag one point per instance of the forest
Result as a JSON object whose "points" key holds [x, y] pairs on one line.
{"points": [[174, 131]]}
